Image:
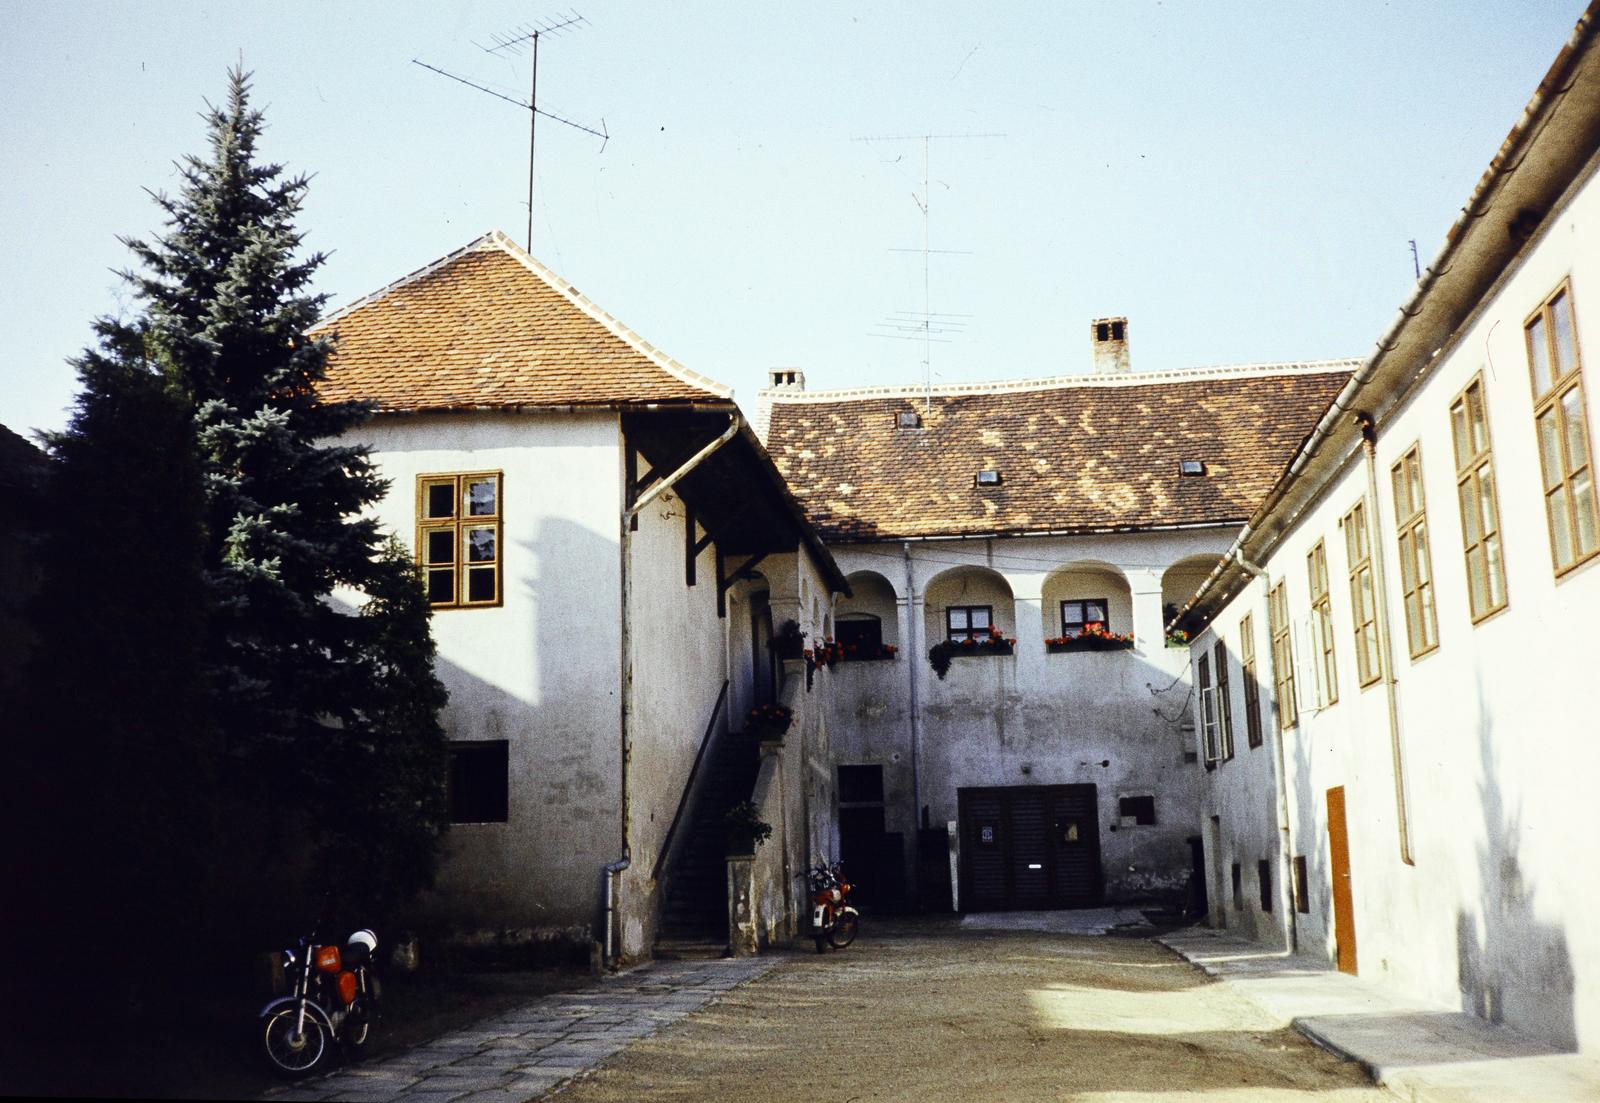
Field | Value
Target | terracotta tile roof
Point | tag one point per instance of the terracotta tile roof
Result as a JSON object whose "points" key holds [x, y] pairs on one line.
{"points": [[1076, 454], [490, 327]]}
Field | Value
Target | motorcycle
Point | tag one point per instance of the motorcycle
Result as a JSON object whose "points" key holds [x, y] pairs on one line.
{"points": [[333, 1000], [834, 922]]}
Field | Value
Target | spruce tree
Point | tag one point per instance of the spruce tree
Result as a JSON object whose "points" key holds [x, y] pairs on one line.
{"points": [[295, 676]]}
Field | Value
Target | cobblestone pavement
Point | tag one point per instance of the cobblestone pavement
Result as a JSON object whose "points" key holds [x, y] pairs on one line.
{"points": [[523, 1053]]}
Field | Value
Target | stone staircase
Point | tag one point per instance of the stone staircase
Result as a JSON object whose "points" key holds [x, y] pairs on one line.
{"points": [[694, 917]]}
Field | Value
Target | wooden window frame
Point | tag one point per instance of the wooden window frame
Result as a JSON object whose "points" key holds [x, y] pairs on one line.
{"points": [[1252, 686], [1219, 662], [1474, 471], [1327, 666], [1363, 595], [1553, 400], [1105, 606], [458, 525], [1209, 748], [957, 634], [1417, 597], [1285, 692]]}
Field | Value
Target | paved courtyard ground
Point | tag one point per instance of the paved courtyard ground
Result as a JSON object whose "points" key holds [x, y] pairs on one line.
{"points": [[937, 1011]]}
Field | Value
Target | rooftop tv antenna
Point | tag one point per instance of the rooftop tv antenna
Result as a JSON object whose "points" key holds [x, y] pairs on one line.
{"points": [[528, 32], [925, 325]]}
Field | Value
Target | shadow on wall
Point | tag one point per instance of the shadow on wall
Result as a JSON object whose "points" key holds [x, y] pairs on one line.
{"points": [[530, 887], [1510, 965]]}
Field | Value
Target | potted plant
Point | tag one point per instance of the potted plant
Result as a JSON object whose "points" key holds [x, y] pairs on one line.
{"points": [[769, 721], [746, 830], [787, 642]]}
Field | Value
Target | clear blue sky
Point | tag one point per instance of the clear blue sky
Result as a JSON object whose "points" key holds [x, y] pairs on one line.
{"points": [[1240, 180]]}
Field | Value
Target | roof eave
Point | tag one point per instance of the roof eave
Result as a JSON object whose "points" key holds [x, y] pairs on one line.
{"points": [[1563, 119]]}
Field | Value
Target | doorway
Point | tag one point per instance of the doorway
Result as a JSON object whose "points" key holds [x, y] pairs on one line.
{"points": [[1032, 846], [1344, 909]]}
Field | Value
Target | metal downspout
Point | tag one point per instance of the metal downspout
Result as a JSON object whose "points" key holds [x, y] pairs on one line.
{"points": [[1369, 447], [912, 651], [1285, 829]]}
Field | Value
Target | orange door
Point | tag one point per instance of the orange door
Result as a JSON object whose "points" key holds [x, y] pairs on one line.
{"points": [[1344, 909]]}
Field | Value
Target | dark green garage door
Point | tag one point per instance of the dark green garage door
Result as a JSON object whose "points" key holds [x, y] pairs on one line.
{"points": [[1034, 846]]}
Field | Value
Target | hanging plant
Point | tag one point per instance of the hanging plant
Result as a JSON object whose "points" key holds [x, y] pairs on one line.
{"points": [[940, 654], [745, 828]]}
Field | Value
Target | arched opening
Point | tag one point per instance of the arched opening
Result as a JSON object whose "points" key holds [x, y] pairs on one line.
{"points": [[1079, 594], [965, 602], [1181, 580], [753, 665], [865, 624]]}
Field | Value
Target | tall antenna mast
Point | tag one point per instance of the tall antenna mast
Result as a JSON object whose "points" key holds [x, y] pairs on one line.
{"points": [[528, 32], [926, 326]]}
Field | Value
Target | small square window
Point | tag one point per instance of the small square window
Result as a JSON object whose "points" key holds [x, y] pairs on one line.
{"points": [[1191, 468], [480, 774], [989, 477], [908, 419], [1141, 810]]}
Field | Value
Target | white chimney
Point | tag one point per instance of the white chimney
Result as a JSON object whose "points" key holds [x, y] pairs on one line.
{"points": [[1109, 339], [786, 379]]}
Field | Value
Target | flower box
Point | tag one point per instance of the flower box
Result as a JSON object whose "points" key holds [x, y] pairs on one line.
{"points": [[1094, 637], [940, 654], [867, 654]]}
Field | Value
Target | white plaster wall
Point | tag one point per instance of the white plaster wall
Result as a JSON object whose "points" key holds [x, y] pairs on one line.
{"points": [[677, 663], [541, 670], [1498, 733], [1060, 716]]}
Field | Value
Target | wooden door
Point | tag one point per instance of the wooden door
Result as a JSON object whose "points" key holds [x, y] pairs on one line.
{"points": [[1344, 910], [1030, 847]]}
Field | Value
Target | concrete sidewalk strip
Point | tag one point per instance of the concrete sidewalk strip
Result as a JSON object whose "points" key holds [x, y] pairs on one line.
{"points": [[530, 1050], [1420, 1051]]}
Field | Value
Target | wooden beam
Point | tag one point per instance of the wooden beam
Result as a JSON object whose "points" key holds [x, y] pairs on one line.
{"points": [[722, 587], [688, 544], [630, 486], [746, 569]]}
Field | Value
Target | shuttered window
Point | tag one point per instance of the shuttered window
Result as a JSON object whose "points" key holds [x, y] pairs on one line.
{"points": [[1363, 599], [1282, 658]]}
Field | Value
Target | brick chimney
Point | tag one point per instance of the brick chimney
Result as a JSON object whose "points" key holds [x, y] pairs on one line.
{"points": [[1109, 339], [786, 379]]}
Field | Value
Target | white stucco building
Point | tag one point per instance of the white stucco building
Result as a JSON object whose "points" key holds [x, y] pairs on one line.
{"points": [[1419, 593], [606, 547], [1032, 773]]}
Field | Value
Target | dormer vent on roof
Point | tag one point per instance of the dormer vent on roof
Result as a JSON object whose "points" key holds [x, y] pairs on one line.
{"points": [[989, 476], [1191, 467], [908, 419], [1108, 338], [786, 379]]}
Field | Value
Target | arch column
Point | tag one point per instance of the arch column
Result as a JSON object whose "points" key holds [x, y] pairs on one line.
{"points": [[1028, 609], [1149, 628]]}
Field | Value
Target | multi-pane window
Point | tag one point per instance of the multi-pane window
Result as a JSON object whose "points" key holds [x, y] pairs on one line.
{"points": [[1480, 505], [1208, 711], [458, 538], [1416, 564], [1078, 615], [1363, 598], [1252, 687], [1224, 702], [968, 622], [1282, 658], [1562, 425], [1322, 625]]}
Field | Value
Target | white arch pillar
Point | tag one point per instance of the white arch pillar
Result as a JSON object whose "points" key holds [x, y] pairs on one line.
{"points": [[1149, 627]]}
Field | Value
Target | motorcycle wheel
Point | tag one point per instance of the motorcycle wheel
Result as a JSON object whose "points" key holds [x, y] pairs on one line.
{"points": [[844, 930], [357, 1034], [288, 1055]]}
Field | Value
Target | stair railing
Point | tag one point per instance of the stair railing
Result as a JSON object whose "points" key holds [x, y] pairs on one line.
{"points": [[689, 784]]}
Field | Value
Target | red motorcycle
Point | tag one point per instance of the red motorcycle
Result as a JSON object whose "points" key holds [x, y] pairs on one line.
{"points": [[333, 999], [834, 922]]}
